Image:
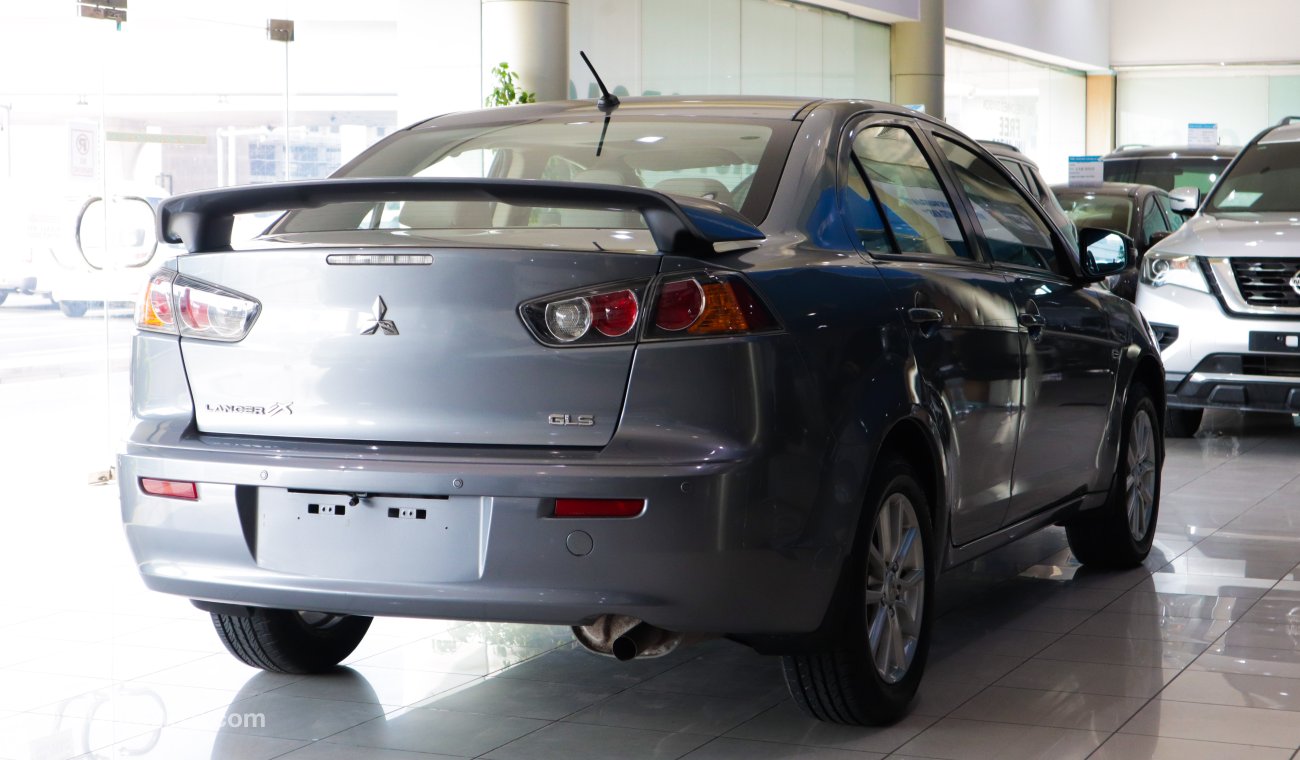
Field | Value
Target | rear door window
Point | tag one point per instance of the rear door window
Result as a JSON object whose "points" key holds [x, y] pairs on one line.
{"points": [[916, 208], [1013, 230]]}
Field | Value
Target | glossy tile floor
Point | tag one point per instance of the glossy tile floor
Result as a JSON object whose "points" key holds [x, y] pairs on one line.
{"points": [[1196, 655]]}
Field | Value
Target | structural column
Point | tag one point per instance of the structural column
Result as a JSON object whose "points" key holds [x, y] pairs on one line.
{"points": [[916, 58], [533, 37], [1100, 134]]}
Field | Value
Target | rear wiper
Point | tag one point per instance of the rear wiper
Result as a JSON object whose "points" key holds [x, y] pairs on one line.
{"points": [[606, 105]]}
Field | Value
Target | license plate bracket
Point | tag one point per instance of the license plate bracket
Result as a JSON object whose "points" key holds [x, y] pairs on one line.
{"points": [[379, 538]]}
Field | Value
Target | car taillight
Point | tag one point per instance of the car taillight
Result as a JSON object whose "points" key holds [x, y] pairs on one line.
{"points": [[714, 304], [172, 489], [181, 306], [601, 316], [599, 507], [690, 306], [154, 312]]}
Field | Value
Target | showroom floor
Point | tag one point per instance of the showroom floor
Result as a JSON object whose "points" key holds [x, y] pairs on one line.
{"points": [[1195, 656]]}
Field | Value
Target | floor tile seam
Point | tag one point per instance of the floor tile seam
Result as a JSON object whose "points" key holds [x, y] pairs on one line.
{"points": [[1296, 709], [409, 669], [570, 718], [933, 721], [1153, 697], [1190, 739], [1197, 741], [1143, 638]]}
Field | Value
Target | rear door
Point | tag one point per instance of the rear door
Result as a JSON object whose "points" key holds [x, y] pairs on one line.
{"points": [[959, 312], [347, 347], [1070, 354]]}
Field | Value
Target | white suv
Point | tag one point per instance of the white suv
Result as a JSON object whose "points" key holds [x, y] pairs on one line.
{"points": [[1223, 292]]}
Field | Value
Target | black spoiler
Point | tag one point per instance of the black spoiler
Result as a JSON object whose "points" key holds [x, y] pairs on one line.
{"points": [[679, 224]]}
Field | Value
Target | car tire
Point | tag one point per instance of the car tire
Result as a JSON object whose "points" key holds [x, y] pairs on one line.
{"points": [[74, 309], [286, 641], [1183, 423], [867, 670], [1119, 533]]}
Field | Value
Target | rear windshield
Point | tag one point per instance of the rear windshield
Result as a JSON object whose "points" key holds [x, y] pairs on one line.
{"points": [[1104, 211], [1266, 178], [1199, 172], [734, 162]]}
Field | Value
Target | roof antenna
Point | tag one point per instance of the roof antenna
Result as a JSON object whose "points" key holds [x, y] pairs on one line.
{"points": [[608, 100]]}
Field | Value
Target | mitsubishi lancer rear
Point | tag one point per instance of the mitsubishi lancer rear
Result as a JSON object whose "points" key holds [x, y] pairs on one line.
{"points": [[656, 370]]}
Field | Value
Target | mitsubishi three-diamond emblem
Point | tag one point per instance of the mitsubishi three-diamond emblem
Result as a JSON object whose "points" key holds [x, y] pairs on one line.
{"points": [[380, 311]]}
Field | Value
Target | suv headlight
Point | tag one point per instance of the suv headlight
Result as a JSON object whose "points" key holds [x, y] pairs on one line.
{"points": [[1160, 269]]}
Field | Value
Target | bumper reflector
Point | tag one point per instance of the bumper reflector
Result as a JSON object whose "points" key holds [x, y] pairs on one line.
{"points": [[172, 489], [599, 507]]}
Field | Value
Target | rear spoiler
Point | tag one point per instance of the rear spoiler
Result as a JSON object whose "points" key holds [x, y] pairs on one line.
{"points": [[679, 224]]}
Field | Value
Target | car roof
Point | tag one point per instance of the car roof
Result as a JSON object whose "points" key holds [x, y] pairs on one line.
{"points": [[716, 106], [1173, 151], [1126, 189], [1006, 150]]}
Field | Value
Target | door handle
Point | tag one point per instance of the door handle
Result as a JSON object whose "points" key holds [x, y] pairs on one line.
{"points": [[1032, 320], [923, 316]]}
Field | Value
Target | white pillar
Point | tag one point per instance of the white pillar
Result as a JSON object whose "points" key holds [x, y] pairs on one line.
{"points": [[916, 53], [532, 36]]}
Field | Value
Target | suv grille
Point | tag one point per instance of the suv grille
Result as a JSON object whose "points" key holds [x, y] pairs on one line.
{"points": [[1277, 366], [1266, 282]]}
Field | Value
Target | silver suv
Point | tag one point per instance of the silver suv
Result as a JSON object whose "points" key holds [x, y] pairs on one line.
{"points": [[1223, 293]]}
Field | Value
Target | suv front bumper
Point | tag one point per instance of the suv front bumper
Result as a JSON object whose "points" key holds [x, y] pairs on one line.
{"points": [[1216, 360]]}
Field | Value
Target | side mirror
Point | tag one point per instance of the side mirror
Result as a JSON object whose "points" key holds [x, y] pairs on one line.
{"points": [[1104, 253], [1184, 200]]}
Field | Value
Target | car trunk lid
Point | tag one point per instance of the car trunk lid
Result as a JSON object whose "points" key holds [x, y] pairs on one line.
{"points": [[427, 353]]}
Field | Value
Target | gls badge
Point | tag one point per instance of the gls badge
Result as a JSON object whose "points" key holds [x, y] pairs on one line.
{"points": [[572, 420]]}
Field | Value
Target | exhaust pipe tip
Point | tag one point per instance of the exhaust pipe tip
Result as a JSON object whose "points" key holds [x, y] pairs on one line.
{"points": [[640, 638], [624, 649]]}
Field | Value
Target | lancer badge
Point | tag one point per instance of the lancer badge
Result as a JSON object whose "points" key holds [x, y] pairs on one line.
{"points": [[380, 311]]}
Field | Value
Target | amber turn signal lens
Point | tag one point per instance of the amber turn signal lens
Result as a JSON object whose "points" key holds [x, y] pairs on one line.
{"points": [[730, 307]]}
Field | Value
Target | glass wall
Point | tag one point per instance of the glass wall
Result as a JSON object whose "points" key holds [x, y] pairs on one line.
{"points": [[1039, 109], [99, 121], [1154, 107], [726, 47]]}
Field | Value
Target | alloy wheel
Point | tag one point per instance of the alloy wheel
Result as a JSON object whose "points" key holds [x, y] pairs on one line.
{"points": [[1140, 485], [895, 592]]}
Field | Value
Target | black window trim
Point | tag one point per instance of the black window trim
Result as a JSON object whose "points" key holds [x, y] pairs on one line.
{"points": [[855, 123]]}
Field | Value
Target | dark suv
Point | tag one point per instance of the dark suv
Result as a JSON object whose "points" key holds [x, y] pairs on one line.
{"points": [[1169, 167]]}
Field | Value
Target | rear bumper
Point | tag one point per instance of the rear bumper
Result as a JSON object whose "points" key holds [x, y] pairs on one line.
{"points": [[710, 552]]}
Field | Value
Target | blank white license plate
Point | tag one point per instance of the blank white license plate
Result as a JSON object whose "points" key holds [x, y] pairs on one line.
{"points": [[382, 538]]}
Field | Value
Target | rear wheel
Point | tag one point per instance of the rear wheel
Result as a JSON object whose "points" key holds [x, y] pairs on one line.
{"points": [[869, 669], [1119, 533], [74, 308], [287, 641], [1182, 423]]}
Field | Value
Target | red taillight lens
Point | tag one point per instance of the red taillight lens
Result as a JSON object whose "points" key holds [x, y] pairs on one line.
{"points": [[155, 309], [176, 304], [602, 315], [613, 314], [680, 304], [710, 305], [599, 507], [172, 489]]}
